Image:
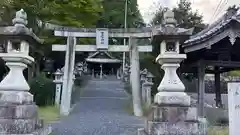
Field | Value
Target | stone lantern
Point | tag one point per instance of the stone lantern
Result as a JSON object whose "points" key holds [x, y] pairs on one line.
{"points": [[85, 67], [18, 113], [126, 73], [58, 81], [48, 66], [79, 68], [143, 75], [171, 103], [149, 77], [147, 88]]}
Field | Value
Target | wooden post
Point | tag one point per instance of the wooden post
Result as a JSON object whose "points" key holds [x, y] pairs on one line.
{"points": [[217, 88], [135, 78], [201, 89]]}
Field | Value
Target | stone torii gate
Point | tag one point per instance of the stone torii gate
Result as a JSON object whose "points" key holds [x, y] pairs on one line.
{"points": [[102, 36]]}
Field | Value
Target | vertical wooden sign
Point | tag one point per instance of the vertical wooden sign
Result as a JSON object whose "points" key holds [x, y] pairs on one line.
{"points": [[102, 38]]}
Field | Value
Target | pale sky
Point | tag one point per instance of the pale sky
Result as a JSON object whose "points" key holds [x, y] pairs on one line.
{"points": [[204, 7]]}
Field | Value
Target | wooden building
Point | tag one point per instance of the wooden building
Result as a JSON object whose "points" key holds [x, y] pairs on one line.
{"points": [[102, 62], [214, 50]]}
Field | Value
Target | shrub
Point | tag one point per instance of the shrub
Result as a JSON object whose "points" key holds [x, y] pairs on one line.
{"points": [[78, 81], [43, 90], [222, 121]]}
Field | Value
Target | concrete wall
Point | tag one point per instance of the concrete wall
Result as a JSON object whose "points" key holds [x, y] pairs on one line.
{"points": [[212, 113]]}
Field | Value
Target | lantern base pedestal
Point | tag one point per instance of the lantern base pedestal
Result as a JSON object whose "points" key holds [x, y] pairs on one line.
{"points": [[171, 114], [19, 114], [170, 120]]}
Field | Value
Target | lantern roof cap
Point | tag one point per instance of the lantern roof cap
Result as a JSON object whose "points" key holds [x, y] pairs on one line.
{"points": [[144, 71], [150, 75], [19, 29], [58, 72]]}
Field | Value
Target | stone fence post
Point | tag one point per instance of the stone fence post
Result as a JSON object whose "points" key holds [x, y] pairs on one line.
{"points": [[18, 112], [143, 78], [58, 81], [126, 74], [147, 89]]}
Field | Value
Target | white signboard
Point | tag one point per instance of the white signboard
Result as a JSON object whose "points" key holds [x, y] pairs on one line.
{"points": [[234, 107], [102, 38]]}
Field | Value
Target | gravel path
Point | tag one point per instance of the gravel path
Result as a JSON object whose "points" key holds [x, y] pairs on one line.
{"points": [[100, 112]]}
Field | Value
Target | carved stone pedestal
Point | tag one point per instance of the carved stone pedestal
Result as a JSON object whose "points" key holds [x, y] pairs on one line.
{"points": [[19, 115], [171, 120]]}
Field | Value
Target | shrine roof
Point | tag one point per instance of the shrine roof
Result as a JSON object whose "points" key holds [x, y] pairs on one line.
{"points": [[94, 55], [102, 57], [231, 15]]}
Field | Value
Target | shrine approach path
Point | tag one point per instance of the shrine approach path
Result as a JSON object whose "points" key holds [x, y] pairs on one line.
{"points": [[100, 111]]}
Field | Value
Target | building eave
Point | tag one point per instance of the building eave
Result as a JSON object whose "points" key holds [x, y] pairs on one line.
{"points": [[101, 60], [213, 29], [230, 33], [230, 29]]}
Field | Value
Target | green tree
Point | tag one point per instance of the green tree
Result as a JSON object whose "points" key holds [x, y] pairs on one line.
{"points": [[114, 14], [184, 15], [77, 13]]}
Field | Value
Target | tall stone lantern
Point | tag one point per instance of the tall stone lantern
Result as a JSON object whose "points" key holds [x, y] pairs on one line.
{"points": [[171, 107], [18, 113]]}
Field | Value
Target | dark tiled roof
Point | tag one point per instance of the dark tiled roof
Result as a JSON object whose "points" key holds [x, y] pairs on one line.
{"points": [[20, 32], [230, 15]]}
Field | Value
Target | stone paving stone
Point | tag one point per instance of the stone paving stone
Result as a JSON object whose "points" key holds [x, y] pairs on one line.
{"points": [[100, 111]]}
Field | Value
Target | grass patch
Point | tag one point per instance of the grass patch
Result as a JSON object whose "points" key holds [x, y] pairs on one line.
{"points": [[146, 110], [129, 107], [218, 131], [49, 113]]}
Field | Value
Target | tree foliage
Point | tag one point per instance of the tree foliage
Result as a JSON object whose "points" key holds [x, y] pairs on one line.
{"points": [[76, 13], [113, 15], [184, 15]]}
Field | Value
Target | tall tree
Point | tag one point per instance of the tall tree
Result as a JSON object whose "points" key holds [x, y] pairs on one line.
{"points": [[184, 15], [113, 15], [77, 13]]}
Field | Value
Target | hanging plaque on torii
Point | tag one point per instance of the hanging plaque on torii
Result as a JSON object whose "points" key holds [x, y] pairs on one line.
{"points": [[102, 39]]}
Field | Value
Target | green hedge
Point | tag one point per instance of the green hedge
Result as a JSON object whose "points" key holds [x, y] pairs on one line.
{"points": [[43, 90]]}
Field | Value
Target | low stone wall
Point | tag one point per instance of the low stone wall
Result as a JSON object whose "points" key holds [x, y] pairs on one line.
{"points": [[215, 114]]}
